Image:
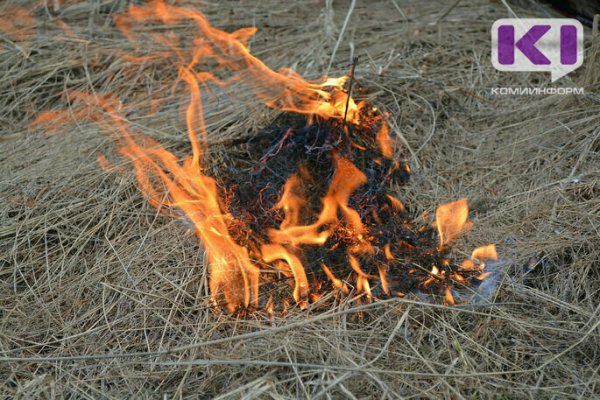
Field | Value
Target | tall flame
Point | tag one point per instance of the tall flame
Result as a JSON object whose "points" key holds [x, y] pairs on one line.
{"points": [[283, 90]]}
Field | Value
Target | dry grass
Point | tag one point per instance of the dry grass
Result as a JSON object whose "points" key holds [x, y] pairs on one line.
{"points": [[103, 297]]}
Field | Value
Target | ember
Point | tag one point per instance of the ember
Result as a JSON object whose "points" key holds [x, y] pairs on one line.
{"points": [[301, 205]]}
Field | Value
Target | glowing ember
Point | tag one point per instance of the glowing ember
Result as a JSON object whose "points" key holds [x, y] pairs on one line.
{"points": [[324, 220]]}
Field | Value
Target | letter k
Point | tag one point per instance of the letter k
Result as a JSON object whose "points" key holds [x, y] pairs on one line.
{"points": [[506, 44]]}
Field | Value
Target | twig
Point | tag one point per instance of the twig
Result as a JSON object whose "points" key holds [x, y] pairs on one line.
{"points": [[275, 149], [510, 10], [337, 43], [350, 83], [448, 11]]}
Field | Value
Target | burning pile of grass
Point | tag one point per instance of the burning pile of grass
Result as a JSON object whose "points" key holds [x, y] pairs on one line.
{"points": [[332, 210], [284, 176], [103, 295]]}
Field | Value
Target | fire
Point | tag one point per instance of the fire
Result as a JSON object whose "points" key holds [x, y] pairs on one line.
{"points": [[396, 204], [448, 298], [485, 253], [284, 90], [452, 219], [478, 259], [345, 180], [337, 283], [272, 252], [385, 142], [233, 275], [346, 228]]}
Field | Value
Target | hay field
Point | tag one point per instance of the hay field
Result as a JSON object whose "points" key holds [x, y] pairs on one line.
{"points": [[101, 296]]}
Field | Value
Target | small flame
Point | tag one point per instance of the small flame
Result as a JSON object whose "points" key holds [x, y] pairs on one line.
{"points": [[448, 298], [337, 283], [347, 179], [396, 204], [385, 142], [362, 281], [480, 255], [485, 253], [451, 220], [433, 275], [272, 252], [383, 277], [388, 252], [269, 307]]}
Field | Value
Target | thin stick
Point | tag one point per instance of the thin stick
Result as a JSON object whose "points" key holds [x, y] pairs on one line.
{"points": [[448, 11], [339, 40], [350, 82], [595, 24]]}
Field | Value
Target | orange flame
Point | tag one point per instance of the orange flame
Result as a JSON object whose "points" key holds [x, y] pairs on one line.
{"points": [[480, 255], [396, 204], [384, 141], [347, 179], [485, 253], [337, 283], [383, 277], [272, 252], [448, 298], [451, 220], [388, 252], [362, 281], [233, 276], [269, 307], [283, 90]]}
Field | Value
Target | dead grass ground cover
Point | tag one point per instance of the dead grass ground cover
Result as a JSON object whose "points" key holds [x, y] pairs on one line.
{"points": [[102, 296]]}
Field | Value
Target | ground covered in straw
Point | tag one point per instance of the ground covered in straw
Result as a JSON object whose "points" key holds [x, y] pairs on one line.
{"points": [[102, 296]]}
